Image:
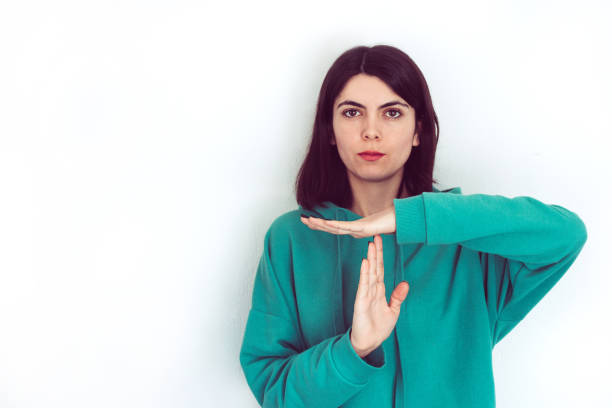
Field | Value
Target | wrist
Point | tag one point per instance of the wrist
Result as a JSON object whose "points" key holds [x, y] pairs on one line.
{"points": [[361, 351]]}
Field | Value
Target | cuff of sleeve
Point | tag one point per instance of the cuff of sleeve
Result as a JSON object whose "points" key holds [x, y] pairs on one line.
{"points": [[355, 369], [410, 223]]}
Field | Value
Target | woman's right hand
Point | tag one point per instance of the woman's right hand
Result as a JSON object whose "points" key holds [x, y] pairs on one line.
{"points": [[373, 318]]}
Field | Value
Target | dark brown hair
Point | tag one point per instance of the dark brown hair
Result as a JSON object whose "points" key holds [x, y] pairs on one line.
{"points": [[322, 176]]}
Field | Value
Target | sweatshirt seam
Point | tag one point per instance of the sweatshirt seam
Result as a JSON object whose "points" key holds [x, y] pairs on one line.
{"points": [[273, 314], [342, 375], [424, 217], [364, 367], [267, 254]]}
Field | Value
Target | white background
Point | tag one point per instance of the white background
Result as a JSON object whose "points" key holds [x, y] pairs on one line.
{"points": [[145, 148]]}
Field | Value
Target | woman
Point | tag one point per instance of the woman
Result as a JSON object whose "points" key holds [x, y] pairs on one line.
{"points": [[322, 330]]}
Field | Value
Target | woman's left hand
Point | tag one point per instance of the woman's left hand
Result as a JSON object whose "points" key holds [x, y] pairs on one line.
{"points": [[382, 222]]}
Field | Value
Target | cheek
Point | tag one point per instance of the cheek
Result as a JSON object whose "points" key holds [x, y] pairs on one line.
{"points": [[346, 151], [343, 128], [402, 149], [345, 136]]}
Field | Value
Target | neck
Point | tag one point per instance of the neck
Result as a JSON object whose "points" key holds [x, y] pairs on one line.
{"points": [[372, 197]]}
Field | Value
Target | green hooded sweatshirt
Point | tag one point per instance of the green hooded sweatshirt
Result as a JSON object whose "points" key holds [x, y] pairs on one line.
{"points": [[476, 265]]}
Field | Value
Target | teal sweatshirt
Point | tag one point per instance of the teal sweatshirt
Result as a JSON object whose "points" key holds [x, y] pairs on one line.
{"points": [[476, 265]]}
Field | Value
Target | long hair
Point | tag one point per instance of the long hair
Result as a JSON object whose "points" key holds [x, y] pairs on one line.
{"points": [[322, 176]]}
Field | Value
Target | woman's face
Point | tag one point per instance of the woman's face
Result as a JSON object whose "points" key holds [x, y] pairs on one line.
{"points": [[368, 115]]}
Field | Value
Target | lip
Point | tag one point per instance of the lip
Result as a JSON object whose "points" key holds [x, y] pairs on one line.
{"points": [[371, 155]]}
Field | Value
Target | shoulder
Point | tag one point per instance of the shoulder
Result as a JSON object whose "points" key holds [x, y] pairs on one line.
{"points": [[286, 225], [285, 238], [289, 232]]}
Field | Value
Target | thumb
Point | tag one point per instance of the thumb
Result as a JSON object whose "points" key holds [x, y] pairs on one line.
{"points": [[398, 295]]}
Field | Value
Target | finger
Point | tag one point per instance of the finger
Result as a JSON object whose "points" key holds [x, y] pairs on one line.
{"points": [[322, 225], [372, 264], [398, 295], [350, 226], [380, 260], [363, 287], [334, 226]]}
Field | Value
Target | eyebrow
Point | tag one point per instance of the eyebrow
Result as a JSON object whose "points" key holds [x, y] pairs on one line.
{"points": [[384, 105]]}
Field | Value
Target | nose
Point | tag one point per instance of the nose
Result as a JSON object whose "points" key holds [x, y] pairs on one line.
{"points": [[371, 131]]}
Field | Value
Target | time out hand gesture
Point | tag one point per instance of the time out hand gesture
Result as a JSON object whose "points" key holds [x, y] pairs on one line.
{"points": [[373, 318], [382, 222]]}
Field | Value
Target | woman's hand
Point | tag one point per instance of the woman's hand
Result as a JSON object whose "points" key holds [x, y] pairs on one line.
{"points": [[373, 318], [382, 222]]}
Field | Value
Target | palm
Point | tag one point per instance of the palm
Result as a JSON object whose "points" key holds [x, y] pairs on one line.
{"points": [[382, 222], [373, 318]]}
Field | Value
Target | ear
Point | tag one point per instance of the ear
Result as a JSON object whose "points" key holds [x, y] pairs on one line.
{"points": [[415, 140]]}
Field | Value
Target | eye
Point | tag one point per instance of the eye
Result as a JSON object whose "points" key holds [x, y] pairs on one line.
{"points": [[399, 113], [349, 110]]}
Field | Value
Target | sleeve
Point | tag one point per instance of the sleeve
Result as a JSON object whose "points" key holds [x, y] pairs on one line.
{"points": [[280, 370], [525, 246]]}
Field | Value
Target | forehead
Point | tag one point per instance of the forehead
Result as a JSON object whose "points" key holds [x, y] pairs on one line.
{"points": [[367, 89]]}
